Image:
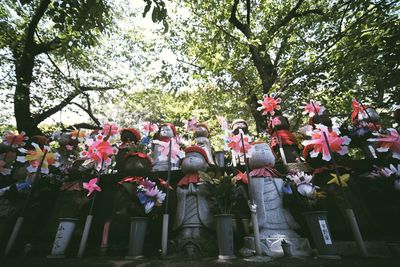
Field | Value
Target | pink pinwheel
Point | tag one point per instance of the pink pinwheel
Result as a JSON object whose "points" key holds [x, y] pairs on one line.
{"points": [[148, 127], [357, 109], [235, 143], [313, 108], [3, 169], [109, 129], [99, 152], [318, 144], [92, 186], [35, 157], [269, 104], [223, 123], [163, 148], [388, 142], [190, 125], [11, 139]]}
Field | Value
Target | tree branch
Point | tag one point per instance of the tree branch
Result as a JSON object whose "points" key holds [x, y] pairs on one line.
{"points": [[88, 110], [244, 28], [37, 16], [46, 47]]}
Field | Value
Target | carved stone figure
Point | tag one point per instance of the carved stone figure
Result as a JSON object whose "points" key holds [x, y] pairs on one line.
{"points": [[275, 222], [193, 220], [236, 126], [201, 135], [165, 133]]}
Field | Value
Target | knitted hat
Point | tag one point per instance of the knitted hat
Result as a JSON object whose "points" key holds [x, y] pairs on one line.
{"points": [[133, 131], [197, 149]]}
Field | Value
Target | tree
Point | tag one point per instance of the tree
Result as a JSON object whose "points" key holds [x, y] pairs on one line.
{"points": [[299, 49]]}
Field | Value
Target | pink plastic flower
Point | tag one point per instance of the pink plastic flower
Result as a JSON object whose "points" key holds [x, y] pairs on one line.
{"points": [[313, 108], [269, 104], [357, 109], [163, 148], [92, 186], [148, 127], [388, 142], [235, 143], [318, 144], [35, 157], [14, 140]]}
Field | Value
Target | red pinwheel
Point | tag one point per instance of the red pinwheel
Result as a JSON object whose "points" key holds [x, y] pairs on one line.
{"points": [[235, 143], [165, 184], [240, 176], [269, 104], [313, 108], [14, 140], [357, 109]]}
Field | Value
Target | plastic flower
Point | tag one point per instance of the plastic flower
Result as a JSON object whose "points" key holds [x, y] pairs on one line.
{"points": [[163, 148], [318, 144], [235, 143], [388, 142], [3, 169], [14, 140], [300, 177], [148, 127], [149, 195], [343, 179], [131, 179], [35, 157], [190, 125], [313, 108], [357, 109], [269, 104], [99, 152], [92, 186]]}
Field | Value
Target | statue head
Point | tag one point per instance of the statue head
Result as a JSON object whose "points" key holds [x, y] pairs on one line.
{"points": [[260, 155], [201, 130], [372, 116], [240, 124], [167, 130], [136, 164], [195, 160]]}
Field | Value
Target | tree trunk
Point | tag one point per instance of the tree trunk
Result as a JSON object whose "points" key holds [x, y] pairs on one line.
{"points": [[22, 100]]}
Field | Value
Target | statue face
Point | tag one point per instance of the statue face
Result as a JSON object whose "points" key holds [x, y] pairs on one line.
{"points": [[240, 125], [193, 162], [373, 116], [201, 132], [166, 131], [261, 156], [203, 142]]}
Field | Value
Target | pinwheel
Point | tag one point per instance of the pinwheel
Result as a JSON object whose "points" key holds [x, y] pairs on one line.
{"points": [[14, 140], [240, 176], [99, 152], [92, 186], [190, 125], [269, 104], [313, 108], [318, 145], [357, 109], [35, 157], [163, 148], [147, 127], [386, 142], [235, 143], [343, 179]]}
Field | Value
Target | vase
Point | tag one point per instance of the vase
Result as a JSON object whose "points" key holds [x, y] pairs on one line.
{"points": [[225, 236], [318, 224], [220, 158], [64, 234], [136, 237]]}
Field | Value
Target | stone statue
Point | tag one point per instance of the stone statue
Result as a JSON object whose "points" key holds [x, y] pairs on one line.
{"points": [[275, 222], [236, 126], [165, 133], [193, 220], [201, 134], [279, 129], [130, 138]]}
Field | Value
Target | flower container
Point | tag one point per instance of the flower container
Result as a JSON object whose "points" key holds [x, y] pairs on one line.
{"points": [[220, 158], [64, 234], [225, 236], [136, 237]]}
